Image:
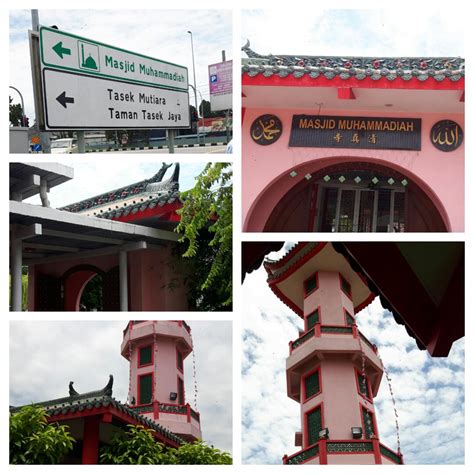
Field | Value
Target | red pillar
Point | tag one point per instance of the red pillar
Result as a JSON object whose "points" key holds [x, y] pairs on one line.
{"points": [[323, 453], [90, 442], [377, 453]]}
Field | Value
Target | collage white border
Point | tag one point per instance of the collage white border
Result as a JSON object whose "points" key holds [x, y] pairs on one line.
{"points": [[465, 13]]}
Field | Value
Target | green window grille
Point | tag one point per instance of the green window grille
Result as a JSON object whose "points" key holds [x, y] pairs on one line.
{"points": [[336, 329], [145, 389], [346, 287], [350, 321], [346, 447], [304, 455], [314, 423], [145, 355], [180, 360], [390, 454], [312, 319], [310, 284], [303, 339], [363, 385], [180, 392], [368, 423], [311, 384]]}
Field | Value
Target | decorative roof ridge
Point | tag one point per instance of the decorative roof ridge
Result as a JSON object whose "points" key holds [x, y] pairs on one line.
{"points": [[75, 397], [95, 399], [159, 201], [359, 67], [291, 259], [153, 184]]}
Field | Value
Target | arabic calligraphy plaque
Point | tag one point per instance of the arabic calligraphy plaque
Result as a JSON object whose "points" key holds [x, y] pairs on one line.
{"points": [[266, 129], [446, 135], [333, 131]]}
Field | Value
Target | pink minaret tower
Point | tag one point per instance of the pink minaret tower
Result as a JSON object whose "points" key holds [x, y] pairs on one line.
{"points": [[156, 351], [332, 371]]}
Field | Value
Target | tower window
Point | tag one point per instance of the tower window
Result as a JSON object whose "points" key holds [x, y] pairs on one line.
{"points": [[312, 319], [180, 391], [368, 422], [350, 321], [145, 385], [363, 385], [312, 384], [310, 284], [179, 360], [314, 424], [345, 286], [145, 356]]}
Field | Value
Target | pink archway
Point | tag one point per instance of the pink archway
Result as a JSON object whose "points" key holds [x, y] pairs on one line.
{"points": [[261, 215]]}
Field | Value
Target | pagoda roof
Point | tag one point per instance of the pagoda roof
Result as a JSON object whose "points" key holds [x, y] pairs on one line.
{"points": [[162, 192], [406, 69], [85, 404], [286, 275]]}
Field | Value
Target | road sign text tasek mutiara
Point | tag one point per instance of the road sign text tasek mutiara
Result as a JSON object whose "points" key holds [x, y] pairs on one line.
{"points": [[141, 98]]}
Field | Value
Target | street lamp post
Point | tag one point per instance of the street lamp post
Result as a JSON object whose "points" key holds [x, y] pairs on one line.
{"points": [[195, 89]]}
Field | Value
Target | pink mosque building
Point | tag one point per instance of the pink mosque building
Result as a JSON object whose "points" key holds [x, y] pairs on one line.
{"points": [[333, 371], [352, 144]]}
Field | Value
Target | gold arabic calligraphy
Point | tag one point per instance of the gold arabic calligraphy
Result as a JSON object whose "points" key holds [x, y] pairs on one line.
{"points": [[267, 132], [451, 137]]}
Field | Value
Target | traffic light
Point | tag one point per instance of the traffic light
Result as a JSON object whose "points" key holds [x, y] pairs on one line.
{"points": [[26, 121]]}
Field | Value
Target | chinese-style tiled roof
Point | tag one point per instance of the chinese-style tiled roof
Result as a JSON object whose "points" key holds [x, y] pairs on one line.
{"points": [[160, 201], [161, 192], [345, 67], [77, 403]]}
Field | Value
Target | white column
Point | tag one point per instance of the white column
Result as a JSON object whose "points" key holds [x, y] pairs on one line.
{"points": [[15, 264], [123, 281]]}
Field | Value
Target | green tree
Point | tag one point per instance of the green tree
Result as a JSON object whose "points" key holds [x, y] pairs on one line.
{"points": [[207, 208], [16, 114], [198, 453], [35, 441], [136, 445], [205, 108]]}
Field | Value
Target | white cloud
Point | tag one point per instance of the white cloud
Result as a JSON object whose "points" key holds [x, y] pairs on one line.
{"points": [[113, 174], [355, 32]]}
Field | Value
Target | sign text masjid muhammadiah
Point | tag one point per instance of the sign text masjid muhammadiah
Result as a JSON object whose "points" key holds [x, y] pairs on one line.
{"points": [[355, 132], [129, 66]]}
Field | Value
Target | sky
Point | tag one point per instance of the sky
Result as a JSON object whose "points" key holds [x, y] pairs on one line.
{"points": [[160, 34], [46, 355], [96, 177], [429, 392], [357, 32]]}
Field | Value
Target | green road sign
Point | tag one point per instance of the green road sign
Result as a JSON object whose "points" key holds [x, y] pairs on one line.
{"points": [[68, 52]]}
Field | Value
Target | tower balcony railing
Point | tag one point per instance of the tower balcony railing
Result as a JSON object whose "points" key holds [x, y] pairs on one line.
{"points": [[320, 329], [179, 322], [171, 408], [324, 447]]}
